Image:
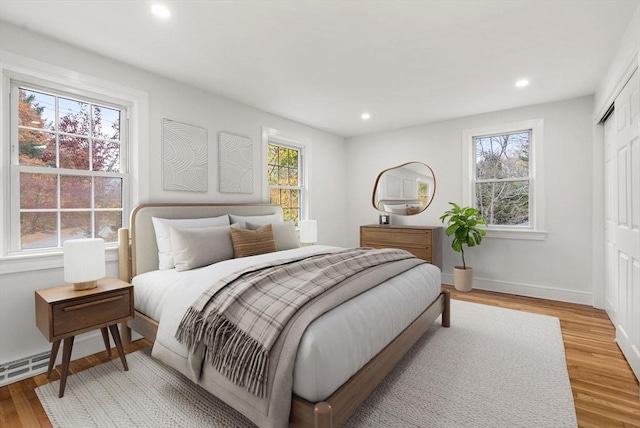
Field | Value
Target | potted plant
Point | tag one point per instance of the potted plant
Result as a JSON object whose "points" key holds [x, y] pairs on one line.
{"points": [[463, 223]]}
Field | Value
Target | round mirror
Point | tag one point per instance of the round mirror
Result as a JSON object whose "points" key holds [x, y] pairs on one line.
{"points": [[405, 189]]}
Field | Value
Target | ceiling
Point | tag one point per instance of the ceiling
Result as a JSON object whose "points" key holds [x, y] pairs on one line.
{"points": [[324, 63]]}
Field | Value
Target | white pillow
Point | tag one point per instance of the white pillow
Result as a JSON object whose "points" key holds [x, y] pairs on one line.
{"points": [[396, 208], [163, 235], [255, 219], [200, 246], [283, 233]]}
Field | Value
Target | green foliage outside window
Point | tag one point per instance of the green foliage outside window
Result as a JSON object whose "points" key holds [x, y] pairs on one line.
{"points": [[283, 169]]}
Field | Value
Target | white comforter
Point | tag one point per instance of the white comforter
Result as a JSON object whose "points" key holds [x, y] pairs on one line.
{"points": [[333, 348]]}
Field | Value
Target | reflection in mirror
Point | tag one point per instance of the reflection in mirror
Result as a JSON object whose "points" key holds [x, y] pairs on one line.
{"points": [[405, 189]]}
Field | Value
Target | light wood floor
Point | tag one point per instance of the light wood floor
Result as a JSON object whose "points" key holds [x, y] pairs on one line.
{"points": [[605, 390]]}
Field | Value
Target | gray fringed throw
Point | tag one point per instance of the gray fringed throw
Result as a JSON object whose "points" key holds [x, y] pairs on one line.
{"points": [[239, 324]]}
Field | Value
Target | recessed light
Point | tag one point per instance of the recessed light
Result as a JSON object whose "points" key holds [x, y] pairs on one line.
{"points": [[160, 11], [365, 116], [522, 83]]}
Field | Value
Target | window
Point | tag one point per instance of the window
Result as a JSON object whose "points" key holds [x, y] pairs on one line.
{"points": [[285, 178], [68, 168], [423, 192], [504, 179]]}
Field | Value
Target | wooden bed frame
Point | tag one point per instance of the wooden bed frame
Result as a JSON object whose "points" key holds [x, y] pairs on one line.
{"points": [[335, 410]]}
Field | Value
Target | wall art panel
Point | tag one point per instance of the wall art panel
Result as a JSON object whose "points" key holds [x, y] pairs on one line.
{"points": [[184, 157]]}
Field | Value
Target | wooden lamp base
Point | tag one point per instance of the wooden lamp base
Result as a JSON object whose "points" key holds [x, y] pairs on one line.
{"points": [[85, 285]]}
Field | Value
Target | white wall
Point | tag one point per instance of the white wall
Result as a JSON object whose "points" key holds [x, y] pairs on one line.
{"points": [[558, 267], [19, 336]]}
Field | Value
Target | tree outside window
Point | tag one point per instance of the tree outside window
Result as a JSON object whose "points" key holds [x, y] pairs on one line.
{"points": [[502, 178], [284, 169], [69, 168]]}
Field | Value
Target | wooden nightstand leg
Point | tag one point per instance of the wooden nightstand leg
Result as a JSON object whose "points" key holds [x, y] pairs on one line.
{"points": [[105, 338], [66, 356], [52, 357], [116, 338]]}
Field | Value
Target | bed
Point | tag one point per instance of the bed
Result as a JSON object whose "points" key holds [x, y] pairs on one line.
{"points": [[328, 379]]}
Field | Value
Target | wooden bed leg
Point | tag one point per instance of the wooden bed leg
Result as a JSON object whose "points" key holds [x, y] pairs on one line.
{"points": [[446, 313], [125, 334], [322, 415]]}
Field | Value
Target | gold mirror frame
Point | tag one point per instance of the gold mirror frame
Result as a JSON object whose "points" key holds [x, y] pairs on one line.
{"points": [[398, 186]]}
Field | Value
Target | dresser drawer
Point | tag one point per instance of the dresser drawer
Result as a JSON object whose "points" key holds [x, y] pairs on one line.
{"points": [[91, 311], [397, 237]]}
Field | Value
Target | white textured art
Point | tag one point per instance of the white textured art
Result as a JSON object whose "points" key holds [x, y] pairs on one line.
{"points": [[236, 163], [184, 157]]}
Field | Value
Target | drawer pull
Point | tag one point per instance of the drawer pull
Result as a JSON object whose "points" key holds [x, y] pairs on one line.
{"points": [[95, 302]]}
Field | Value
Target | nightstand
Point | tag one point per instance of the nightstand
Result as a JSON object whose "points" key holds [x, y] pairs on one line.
{"points": [[62, 313]]}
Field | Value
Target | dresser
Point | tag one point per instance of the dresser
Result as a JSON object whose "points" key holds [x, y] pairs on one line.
{"points": [[425, 242]]}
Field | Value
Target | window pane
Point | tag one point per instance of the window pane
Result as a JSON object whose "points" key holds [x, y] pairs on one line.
{"points": [[283, 156], [283, 176], [293, 158], [75, 225], [37, 148], [272, 155], [108, 192], [38, 230], [295, 215], [74, 152], [107, 225], [423, 193], [502, 156], [106, 123], [75, 191], [273, 175], [504, 203], [295, 198], [106, 156], [274, 196], [293, 177], [74, 117], [36, 110], [38, 191], [285, 198]]}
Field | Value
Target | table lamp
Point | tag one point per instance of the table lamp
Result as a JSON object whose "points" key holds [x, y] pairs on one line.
{"points": [[83, 262], [308, 232]]}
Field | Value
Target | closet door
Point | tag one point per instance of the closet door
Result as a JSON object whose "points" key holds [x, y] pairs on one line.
{"points": [[624, 228]]}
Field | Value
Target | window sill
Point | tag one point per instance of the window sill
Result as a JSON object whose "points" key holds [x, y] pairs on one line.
{"points": [[34, 262], [527, 235]]}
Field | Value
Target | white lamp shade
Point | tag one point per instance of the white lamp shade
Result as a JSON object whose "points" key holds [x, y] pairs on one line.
{"points": [[308, 231], [83, 260]]}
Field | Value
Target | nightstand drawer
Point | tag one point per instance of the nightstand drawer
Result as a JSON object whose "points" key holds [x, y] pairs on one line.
{"points": [[80, 314]]}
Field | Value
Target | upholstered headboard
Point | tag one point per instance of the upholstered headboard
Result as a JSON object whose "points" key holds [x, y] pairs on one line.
{"points": [[138, 248]]}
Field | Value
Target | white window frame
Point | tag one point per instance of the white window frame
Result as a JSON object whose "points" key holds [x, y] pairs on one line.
{"points": [[15, 67], [299, 143], [536, 229]]}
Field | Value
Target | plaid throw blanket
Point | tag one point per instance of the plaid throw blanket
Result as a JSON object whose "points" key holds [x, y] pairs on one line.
{"points": [[239, 324]]}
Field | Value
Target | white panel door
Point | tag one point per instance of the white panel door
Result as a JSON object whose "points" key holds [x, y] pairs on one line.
{"points": [[624, 268]]}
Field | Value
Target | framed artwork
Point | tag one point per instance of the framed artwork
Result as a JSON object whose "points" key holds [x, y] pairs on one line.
{"points": [[235, 158], [184, 157]]}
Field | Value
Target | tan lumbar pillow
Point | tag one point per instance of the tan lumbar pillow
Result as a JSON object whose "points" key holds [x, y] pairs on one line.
{"points": [[252, 242]]}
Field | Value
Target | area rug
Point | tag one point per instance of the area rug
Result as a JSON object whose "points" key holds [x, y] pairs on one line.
{"points": [[493, 368]]}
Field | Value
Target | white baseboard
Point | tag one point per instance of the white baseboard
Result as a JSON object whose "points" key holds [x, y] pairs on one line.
{"points": [[529, 290]]}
